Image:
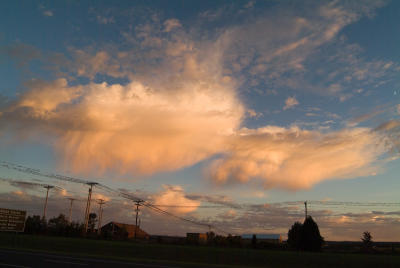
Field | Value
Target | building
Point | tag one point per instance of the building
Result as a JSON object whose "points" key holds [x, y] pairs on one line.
{"points": [[196, 238], [122, 230], [270, 238]]}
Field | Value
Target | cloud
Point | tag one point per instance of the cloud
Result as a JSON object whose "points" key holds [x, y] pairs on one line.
{"points": [[132, 128], [97, 197], [171, 24], [274, 218], [21, 53], [48, 13], [286, 56], [180, 101], [290, 102], [222, 200], [87, 63], [292, 158], [388, 126], [173, 199], [105, 20]]}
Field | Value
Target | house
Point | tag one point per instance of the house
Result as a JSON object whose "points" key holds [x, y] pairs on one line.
{"points": [[123, 230], [270, 238], [196, 238]]}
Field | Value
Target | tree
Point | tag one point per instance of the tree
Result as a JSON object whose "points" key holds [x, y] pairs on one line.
{"points": [[35, 225], [254, 241], [367, 241], [92, 222], [294, 235], [210, 238], [311, 239], [58, 225], [305, 236]]}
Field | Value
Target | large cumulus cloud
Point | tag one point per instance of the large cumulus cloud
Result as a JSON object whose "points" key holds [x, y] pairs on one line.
{"points": [[294, 158]]}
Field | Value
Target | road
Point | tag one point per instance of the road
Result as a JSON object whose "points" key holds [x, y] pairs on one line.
{"points": [[24, 259]]}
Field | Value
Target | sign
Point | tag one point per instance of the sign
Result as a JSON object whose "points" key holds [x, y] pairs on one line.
{"points": [[12, 220]]}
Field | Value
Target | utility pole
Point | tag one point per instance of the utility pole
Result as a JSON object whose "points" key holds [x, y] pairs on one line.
{"points": [[100, 202], [48, 187], [70, 209], [138, 203], [305, 206], [87, 212]]}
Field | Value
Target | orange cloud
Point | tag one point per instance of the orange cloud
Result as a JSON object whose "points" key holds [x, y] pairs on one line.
{"points": [[292, 158], [136, 127], [173, 199]]}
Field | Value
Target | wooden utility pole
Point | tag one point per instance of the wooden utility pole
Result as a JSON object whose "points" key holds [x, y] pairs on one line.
{"points": [[305, 206], [138, 203], [87, 211], [100, 202], [70, 209], [48, 187]]}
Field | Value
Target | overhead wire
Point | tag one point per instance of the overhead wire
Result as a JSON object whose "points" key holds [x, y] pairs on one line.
{"points": [[157, 208], [120, 193]]}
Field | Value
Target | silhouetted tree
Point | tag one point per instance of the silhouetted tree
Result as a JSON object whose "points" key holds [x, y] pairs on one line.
{"points": [[58, 225], [210, 238], [74, 229], [92, 222], [305, 236], [311, 239], [254, 241], [294, 235], [35, 225], [367, 242]]}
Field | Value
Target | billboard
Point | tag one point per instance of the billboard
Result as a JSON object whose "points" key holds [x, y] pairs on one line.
{"points": [[12, 220]]}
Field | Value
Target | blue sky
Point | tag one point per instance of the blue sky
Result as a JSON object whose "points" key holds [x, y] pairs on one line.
{"points": [[250, 102]]}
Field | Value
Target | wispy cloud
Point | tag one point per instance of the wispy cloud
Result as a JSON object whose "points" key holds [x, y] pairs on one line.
{"points": [[170, 24], [290, 102], [105, 20], [48, 13]]}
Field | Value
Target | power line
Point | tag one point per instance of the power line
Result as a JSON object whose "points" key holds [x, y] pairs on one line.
{"points": [[38, 172], [158, 209]]}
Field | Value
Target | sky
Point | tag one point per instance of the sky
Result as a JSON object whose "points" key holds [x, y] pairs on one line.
{"points": [[230, 113]]}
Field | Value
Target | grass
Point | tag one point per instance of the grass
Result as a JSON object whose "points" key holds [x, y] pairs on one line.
{"points": [[192, 254]]}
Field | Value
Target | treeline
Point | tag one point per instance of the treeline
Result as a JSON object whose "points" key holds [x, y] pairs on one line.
{"points": [[236, 242], [58, 226]]}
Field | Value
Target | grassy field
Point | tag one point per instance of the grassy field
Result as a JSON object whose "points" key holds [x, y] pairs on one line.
{"points": [[194, 254]]}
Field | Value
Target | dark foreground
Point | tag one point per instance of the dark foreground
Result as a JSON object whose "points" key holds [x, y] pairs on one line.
{"points": [[22, 259], [45, 251]]}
